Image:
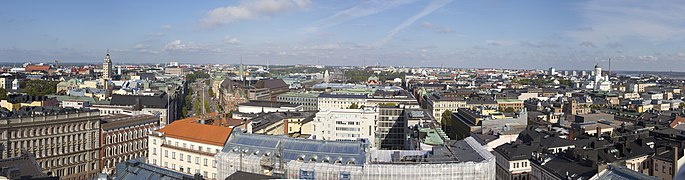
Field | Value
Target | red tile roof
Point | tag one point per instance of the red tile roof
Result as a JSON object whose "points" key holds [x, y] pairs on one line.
{"points": [[189, 129], [31, 68]]}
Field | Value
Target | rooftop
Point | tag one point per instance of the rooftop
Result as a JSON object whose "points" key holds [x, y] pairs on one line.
{"points": [[272, 104], [297, 149], [191, 129]]}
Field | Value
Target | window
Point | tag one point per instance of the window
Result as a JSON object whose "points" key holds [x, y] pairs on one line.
{"points": [[205, 161], [173, 166], [166, 153], [199, 148], [176, 144], [204, 173], [180, 156], [214, 163], [154, 161], [166, 164], [189, 159], [173, 155], [154, 151], [197, 160]]}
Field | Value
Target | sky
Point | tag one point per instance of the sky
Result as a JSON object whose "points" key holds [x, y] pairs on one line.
{"points": [[523, 34]]}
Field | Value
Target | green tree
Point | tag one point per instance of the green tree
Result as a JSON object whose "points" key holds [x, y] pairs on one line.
{"points": [[447, 124], [3, 93], [207, 108], [39, 87], [210, 92], [354, 106], [509, 110]]}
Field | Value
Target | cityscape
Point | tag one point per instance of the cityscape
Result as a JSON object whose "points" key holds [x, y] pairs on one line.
{"points": [[370, 89]]}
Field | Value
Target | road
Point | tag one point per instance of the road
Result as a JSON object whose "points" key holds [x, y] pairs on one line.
{"points": [[201, 89]]}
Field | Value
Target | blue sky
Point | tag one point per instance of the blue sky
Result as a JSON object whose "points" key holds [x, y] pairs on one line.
{"points": [[637, 35]]}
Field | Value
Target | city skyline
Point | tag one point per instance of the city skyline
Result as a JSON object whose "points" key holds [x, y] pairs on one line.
{"points": [[488, 34]]}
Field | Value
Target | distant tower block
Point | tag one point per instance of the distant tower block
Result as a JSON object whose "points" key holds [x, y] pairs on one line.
{"points": [[107, 67]]}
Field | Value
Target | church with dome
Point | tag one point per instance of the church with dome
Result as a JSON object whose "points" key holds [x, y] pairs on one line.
{"points": [[598, 82]]}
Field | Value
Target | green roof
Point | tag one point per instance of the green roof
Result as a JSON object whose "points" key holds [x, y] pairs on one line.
{"points": [[295, 94], [433, 136], [73, 98]]}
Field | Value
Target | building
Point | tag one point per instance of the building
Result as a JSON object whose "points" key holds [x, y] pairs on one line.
{"points": [[346, 125], [65, 142], [309, 101], [6, 81], [175, 70], [135, 170], [15, 101], [293, 158], [107, 67], [340, 101], [391, 125], [22, 167], [123, 138], [557, 167], [257, 107], [294, 124], [189, 145], [438, 103], [158, 104], [274, 87], [509, 105], [487, 121]]}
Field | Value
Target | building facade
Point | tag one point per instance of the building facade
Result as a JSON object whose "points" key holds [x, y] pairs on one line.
{"points": [[107, 67], [124, 137], [65, 144], [346, 124], [189, 145], [309, 101]]}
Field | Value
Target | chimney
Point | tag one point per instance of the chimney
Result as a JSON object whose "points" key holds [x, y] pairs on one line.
{"points": [[285, 126], [599, 132], [676, 153], [570, 135]]}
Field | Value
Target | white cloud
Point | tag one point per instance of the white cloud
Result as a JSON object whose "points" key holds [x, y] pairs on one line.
{"points": [[363, 9], [167, 26], [498, 43], [648, 58], [587, 44], [611, 20], [190, 47], [231, 40], [250, 9]]}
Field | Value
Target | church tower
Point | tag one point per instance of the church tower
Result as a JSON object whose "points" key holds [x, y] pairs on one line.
{"points": [[107, 67]]}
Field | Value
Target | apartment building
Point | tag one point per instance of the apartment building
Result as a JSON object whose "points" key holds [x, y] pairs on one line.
{"points": [[189, 145]]}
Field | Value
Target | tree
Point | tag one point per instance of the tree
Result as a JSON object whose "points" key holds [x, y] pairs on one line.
{"points": [[447, 124], [39, 87], [3, 93], [509, 110], [354, 106], [210, 92]]}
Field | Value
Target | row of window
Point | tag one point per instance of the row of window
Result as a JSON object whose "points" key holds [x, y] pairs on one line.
{"points": [[121, 137], [51, 130], [184, 169]]}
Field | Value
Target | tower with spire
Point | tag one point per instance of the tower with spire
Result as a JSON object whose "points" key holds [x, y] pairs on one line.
{"points": [[107, 67]]}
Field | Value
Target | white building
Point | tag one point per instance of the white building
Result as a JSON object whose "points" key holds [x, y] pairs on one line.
{"points": [[600, 82], [346, 124], [107, 67], [256, 107], [188, 146]]}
